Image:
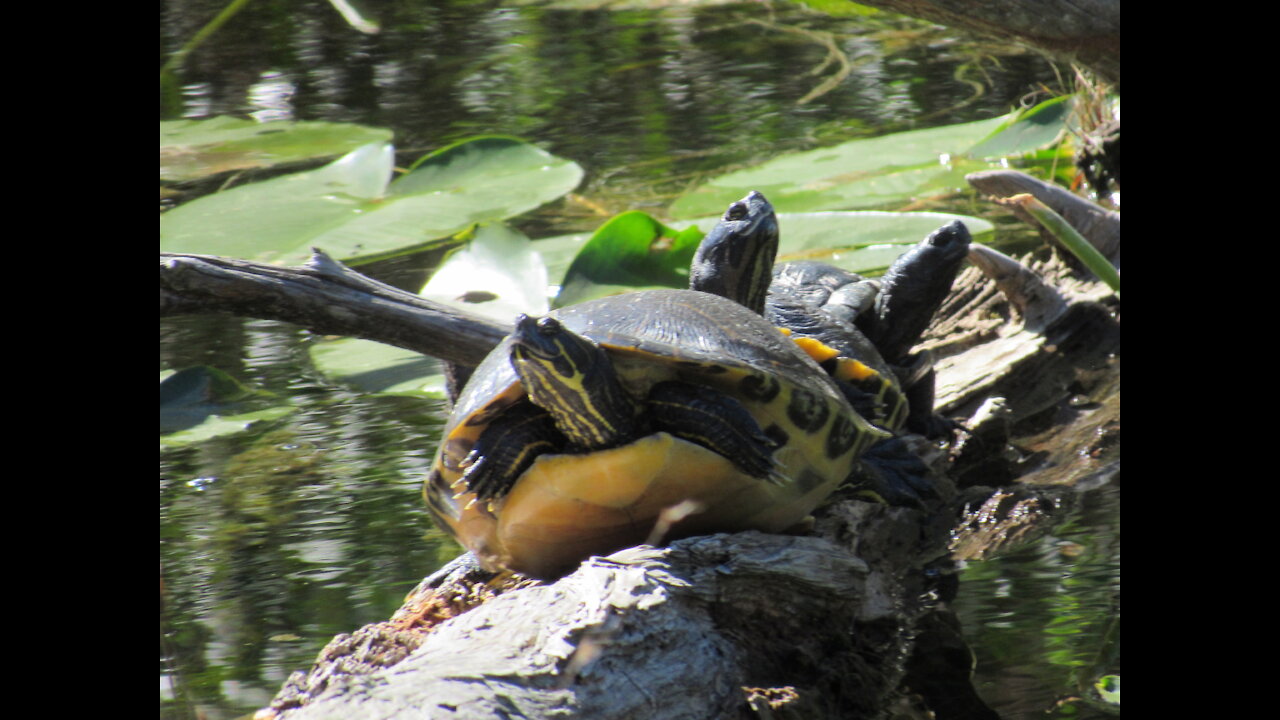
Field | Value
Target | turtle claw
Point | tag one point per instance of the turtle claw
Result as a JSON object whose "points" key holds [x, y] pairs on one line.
{"points": [[899, 476]]}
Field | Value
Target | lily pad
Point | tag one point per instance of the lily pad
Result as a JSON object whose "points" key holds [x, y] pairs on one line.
{"points": [[350, 210], [1037, 127], [882, 171], [191, 149], [497, 273], [631, 251]]}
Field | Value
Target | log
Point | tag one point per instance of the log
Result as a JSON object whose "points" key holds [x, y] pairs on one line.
{"points": [[703, 629], [327, 298], [1101, 227], [1085, 32]]}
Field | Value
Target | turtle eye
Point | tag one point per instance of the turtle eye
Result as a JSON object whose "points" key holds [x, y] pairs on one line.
{"points": [[548, 326], [736, 211]]}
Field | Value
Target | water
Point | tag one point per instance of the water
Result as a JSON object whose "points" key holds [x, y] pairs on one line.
{"points": [[275, 539], [1039, 617]]}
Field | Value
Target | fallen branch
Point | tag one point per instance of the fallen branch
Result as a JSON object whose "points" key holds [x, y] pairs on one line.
{"points": [[327, 298]]}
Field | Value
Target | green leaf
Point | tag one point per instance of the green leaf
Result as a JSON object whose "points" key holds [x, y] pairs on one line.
{"points": [[859, 174], [191, 149], [497, 274], [280, 219], [630, 251], [347, 209], [373, 367], [1028, 131]]}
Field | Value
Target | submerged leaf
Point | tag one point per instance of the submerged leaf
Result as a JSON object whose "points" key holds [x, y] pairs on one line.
{"points": [[373, 367], [201, 402]]}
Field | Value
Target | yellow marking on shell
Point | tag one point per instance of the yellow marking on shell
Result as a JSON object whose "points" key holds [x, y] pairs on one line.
{"points": [[850, 369], [819, 351]]}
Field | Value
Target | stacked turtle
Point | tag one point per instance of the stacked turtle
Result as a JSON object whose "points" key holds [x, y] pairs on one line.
{"points": [[860, 331], [663, 414]]}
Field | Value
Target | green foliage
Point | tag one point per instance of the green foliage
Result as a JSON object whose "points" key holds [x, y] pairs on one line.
{"points": [[192, 149], [1071, 239], [630, 252], [350, 209], [885, 171]]}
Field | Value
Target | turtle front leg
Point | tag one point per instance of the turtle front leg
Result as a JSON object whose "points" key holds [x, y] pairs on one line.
{"points": [[507, 447], [715, 421]]}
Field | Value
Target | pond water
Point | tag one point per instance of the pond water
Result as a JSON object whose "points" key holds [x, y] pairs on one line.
{"points": [[276, 539]]}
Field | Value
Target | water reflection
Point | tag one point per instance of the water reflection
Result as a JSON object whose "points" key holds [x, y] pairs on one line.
{"points": [[1039, 618]]}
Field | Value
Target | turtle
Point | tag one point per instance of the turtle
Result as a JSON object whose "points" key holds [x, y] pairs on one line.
{"points": [[861, 330], [635, 418]]}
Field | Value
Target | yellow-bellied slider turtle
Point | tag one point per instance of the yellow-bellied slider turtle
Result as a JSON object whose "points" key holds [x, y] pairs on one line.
{"points": [[581, 428], [861, 331]]}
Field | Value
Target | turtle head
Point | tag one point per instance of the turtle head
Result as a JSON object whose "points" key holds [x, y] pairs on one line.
{"points": [[573, 379], [914, 287], [735, 259]]}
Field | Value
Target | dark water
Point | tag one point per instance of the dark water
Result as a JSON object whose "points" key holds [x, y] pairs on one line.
{"points": [[277, 538]]}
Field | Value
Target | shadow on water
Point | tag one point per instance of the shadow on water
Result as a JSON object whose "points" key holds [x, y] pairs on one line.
{"points": [[275, 539]]}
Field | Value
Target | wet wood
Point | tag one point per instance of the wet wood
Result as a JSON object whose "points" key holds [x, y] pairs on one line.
{"points": [[1086, 32], [327, 298]]}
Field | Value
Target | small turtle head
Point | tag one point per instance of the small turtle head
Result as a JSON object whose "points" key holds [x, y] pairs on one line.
{"points": [[735, 259]]}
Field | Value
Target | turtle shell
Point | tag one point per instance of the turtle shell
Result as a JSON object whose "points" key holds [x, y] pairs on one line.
{"points": [[567, 507]]}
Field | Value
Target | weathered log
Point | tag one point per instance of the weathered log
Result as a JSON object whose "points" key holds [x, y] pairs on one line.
{"points": [[1101, 227], [703, 629], [327, 298], [1086, 32]]}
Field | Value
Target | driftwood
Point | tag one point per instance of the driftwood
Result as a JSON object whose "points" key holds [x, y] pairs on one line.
{"points": [[327, 298], [725, 626], [702, 629], [1086, 32], [1101, 227]]}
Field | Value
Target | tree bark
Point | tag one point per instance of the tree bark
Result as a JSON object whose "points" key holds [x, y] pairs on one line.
{"points": [[327, 298], [1086, 32]]}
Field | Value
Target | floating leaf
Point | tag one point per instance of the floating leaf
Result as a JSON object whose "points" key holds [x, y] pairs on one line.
{"points": [[1027, 131], [191, 149], [857, 174], [883, 171], [280, 219], [496, 274], [348, 210], [631, 251]]}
